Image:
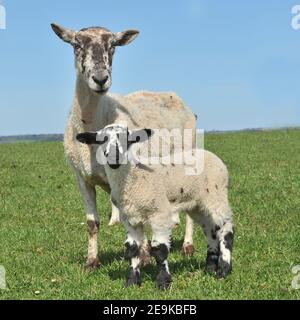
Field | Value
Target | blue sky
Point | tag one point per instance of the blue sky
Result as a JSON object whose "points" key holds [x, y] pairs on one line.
{"points": [[235, 63]]}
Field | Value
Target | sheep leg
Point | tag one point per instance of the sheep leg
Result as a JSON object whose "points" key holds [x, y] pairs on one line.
{"points": [[133, 243], [145, 250], [188, 247], [88, 193], [160, 248], [225, 235], [115, 213]]}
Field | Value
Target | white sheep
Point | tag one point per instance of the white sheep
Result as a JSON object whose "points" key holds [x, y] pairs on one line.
{"points": [[93, 108], [155, 195]]}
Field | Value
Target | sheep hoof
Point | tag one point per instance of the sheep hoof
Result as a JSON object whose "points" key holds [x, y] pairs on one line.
{"points": [[188, 250], [92, 264], [224, 269], [164, 280], [134, 278]]}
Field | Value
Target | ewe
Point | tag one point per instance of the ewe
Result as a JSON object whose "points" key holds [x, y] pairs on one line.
{"points": [[155, 194], [93, 109]]}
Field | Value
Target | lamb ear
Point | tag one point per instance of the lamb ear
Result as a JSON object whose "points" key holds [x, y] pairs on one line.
{"points": [[139, 135], [65, 34], [88, 138], [125, 37]]}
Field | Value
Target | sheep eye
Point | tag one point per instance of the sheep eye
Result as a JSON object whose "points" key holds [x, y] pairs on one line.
{"points": [[112, 50], [77, 47]]}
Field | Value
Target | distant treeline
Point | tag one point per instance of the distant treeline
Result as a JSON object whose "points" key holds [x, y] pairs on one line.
{"points": [[32, 137]]}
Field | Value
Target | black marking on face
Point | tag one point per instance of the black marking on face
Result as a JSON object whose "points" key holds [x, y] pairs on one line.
{"points": [[181, 190], [97, 54], [94, 50]]}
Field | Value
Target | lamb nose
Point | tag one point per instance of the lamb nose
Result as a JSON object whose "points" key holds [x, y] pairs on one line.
{"points": [[100, 82]]}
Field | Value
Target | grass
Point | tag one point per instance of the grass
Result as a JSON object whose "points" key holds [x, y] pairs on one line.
{"points": [[43, 238]]}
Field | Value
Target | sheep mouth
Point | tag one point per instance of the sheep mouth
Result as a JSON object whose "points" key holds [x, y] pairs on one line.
{"points": [[101, 91]]}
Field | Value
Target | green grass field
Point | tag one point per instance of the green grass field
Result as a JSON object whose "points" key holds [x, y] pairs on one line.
{"points": [[43, 238]]}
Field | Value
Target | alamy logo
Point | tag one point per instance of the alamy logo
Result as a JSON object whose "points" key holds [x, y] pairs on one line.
{"points": [[296, 18], [2, 278], [2, 15]]}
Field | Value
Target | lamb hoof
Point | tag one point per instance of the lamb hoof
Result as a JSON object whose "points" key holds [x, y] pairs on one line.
{"points": [[92, 264], [164, 280], [224, 269], [134, 278], [188, 250], [211, 264]]}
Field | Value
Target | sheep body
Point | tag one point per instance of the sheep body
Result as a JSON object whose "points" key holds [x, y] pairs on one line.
{"points": [[93, 108]]}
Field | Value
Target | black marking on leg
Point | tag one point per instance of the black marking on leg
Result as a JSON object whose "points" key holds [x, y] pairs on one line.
{"points": [[214, 232], [229, 240], [134, 278], [132, 250], [212, 259], [160, 254], [213, 235]]}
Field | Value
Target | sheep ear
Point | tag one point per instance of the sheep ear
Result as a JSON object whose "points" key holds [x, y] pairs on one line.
{"points": [[125, 37], [65, 34], [139, 135]]}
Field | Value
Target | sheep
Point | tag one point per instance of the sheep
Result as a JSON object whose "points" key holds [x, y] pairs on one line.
{"points": [[93, 108], [155, 194]]}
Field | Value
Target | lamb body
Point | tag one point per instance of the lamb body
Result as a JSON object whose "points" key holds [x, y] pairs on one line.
{"points": [[155, 194]]}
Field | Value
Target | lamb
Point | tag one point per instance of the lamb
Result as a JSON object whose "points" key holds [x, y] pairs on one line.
{"points": [[93, 108], [155, 194]]}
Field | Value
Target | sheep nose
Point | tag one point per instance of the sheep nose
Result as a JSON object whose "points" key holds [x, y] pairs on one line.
{"points": [[100, 82]]}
